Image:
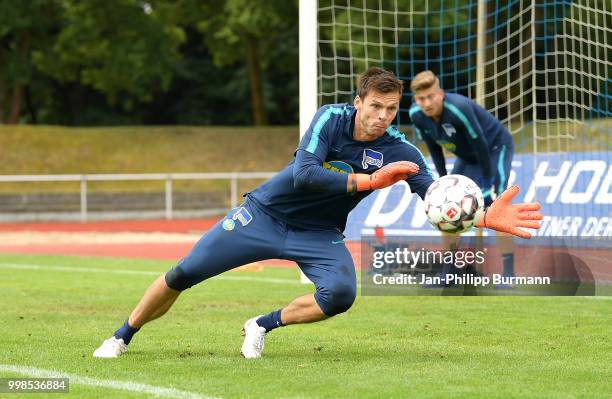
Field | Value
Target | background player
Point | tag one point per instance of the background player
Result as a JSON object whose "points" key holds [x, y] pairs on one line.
{"points": [[482, 145], [300, 214]]}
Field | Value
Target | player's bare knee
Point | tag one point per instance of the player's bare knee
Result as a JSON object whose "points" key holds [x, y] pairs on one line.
{"points": [[177, 279], [337, 298]]}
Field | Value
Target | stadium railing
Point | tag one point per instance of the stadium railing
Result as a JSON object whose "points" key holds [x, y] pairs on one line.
{"points": [[168, 178]]}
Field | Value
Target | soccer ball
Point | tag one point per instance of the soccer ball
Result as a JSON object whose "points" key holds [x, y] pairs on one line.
{"points": [[453, 203]]}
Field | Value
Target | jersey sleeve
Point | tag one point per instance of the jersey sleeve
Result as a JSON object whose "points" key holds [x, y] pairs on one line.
{"points": [[420, 182], [308, 171], [309, 174], [467, 116]]}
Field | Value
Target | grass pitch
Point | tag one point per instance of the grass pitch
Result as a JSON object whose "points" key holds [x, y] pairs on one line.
{"points": [[57, 310]]}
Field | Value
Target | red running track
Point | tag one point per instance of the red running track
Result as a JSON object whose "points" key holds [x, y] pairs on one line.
{"points": [[162, 225], [146, 250]]}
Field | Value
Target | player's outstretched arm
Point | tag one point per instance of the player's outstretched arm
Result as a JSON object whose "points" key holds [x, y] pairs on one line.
{"points": [[383, 177], [506, 217]]}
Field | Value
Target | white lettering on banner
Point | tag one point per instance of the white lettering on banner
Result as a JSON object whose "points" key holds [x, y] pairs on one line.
{"points": [[571, 197], [377, 218], [597, 227], [512, 177], [420, 217], [564, 226], [554, 182], [604, 196], [573, 226]]}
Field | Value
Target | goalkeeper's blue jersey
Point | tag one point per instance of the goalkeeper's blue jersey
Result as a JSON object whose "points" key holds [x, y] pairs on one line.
{"points": [[465, 129], [310, 192]]}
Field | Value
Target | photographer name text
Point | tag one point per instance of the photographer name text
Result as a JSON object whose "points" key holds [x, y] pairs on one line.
{"points": [[469, 279]]}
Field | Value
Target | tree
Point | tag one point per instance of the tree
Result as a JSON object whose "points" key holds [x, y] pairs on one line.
{"points": [[246, 31], [24, 27], [123, 49], [93, 62]]}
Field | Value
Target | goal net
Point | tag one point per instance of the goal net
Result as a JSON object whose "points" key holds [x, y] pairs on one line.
{"points": [[543, 67]]}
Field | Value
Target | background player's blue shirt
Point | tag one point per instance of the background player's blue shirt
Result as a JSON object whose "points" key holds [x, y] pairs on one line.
{"points": [[310, 192], [465, 129]]}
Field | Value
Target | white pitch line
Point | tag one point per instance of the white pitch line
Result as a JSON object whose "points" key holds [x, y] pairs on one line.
{"points": [[23, 266], [601, 298], [111, 384]]}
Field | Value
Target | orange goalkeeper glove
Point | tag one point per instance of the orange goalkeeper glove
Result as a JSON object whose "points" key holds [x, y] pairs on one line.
{"points": [[383, 177], [507, 218]]}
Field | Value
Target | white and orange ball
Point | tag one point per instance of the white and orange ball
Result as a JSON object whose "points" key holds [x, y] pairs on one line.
{"points": [[453, 203]]}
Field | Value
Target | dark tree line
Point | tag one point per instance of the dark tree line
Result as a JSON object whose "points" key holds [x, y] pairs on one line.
{"points": [[110, 62]]}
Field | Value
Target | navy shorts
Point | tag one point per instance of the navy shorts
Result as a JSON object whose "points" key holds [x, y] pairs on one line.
{"points": [[248, 234], [501, 164]]}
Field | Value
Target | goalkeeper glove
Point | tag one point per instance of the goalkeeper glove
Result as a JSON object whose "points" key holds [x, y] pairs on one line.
{"points": [[507, 218], [383, 177]]}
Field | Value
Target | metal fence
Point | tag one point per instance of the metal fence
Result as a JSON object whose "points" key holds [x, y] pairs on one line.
{"points": [[232, 177]]}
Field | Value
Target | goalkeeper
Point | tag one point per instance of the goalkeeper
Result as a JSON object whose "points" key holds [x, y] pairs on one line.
{"points": [[300, 214], [482, 145]]}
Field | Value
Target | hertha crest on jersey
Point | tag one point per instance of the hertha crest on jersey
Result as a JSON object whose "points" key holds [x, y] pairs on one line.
{"points": [[449, 129], [371, 157], [243, 216]]}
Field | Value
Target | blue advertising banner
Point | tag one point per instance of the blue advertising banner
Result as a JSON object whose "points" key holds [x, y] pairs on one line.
{"points": [[575, 191]]}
